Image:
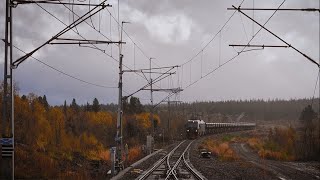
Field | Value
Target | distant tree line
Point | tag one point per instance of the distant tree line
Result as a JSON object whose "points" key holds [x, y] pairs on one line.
{"points": [[253, 109]]}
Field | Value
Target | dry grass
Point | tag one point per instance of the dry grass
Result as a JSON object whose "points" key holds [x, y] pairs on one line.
{"points": [[255, 143], [279, 145], [42, 165], [73, 175], [219, 148]]}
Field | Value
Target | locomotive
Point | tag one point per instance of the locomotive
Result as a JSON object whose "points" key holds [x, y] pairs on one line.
{"points": [[197, 128]]}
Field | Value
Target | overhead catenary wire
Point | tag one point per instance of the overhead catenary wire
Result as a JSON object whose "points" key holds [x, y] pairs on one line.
{"points": [[110, 31], [140, 49], [285, 42], [219, 48], [201, 61], [90, 16], [95, 47], [64, 73], [315, 88], [72, 11], [100, 18], [125, 32], [252, 18], [234, 57], [85, 16], [103, 51], [244, 29], [73, 17], [111, 37], [134, 56], [284, 9], [207, 44]]}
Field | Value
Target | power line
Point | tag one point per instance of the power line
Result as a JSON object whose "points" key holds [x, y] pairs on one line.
{"points": [[244, 29], [95, 47], [234, 57], [71, 10], [103, 51], [315, 87], [212, 37], [16, 63], [262, 26], [141, 50], [66, 74], [108, 38], [285, 9]]}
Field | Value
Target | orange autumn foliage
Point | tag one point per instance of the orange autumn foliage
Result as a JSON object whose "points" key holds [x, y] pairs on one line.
{"points": [[219, 149], [105, 155], [278, 146], [134, 154]]}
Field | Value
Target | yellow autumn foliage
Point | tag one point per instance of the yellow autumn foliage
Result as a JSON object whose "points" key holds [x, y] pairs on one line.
{"points": [[99, 118], [143, 119]]}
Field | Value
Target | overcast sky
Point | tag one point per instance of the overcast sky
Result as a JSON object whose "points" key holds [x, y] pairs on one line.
{"points": [[172, 32]]}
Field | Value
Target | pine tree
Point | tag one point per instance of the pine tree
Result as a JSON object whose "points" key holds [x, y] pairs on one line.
{"points": [[88, 107], [74, 105], [45, 102], [95, 105], [307, 115], [65, 107], [135, 105], [24, 97]]}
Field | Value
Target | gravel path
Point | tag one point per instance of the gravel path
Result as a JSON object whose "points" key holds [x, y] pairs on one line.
{"points": [[283, 170]]}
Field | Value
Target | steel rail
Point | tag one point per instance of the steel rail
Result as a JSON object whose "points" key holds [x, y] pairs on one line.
{"points": [[168, 159], [149, 172], [177, 163], [194, 173]]}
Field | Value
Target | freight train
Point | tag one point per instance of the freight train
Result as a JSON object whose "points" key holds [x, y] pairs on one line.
{"points": [[196, 128]]}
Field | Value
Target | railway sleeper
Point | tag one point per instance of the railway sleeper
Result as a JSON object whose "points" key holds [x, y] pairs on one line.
{"points": [[182, 173]]}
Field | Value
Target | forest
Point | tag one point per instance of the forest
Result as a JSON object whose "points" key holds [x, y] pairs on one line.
{"points": [[73, 141], [65, 141]]}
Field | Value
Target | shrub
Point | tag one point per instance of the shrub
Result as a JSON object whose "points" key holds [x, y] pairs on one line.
{"points": [[134, 154], [219, 148]]}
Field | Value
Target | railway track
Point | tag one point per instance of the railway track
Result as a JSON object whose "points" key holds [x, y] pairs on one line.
{"points": [[173, 166]]}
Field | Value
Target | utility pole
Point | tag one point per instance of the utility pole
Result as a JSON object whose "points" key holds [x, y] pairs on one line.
{"points": [[151, 100], [118, 163], [7, 135], [7, 129], [170, 103], [151, 81], [119, 136], [169, 118]]}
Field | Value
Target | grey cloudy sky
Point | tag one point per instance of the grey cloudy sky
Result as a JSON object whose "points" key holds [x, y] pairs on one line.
{"points": [[172, 32]]}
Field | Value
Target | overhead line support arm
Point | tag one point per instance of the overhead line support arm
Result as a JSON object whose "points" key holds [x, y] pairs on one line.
{"points": [[17, 2], [272, 9], [306, 56], [255, 45], [84, 41], [16, 63]]}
